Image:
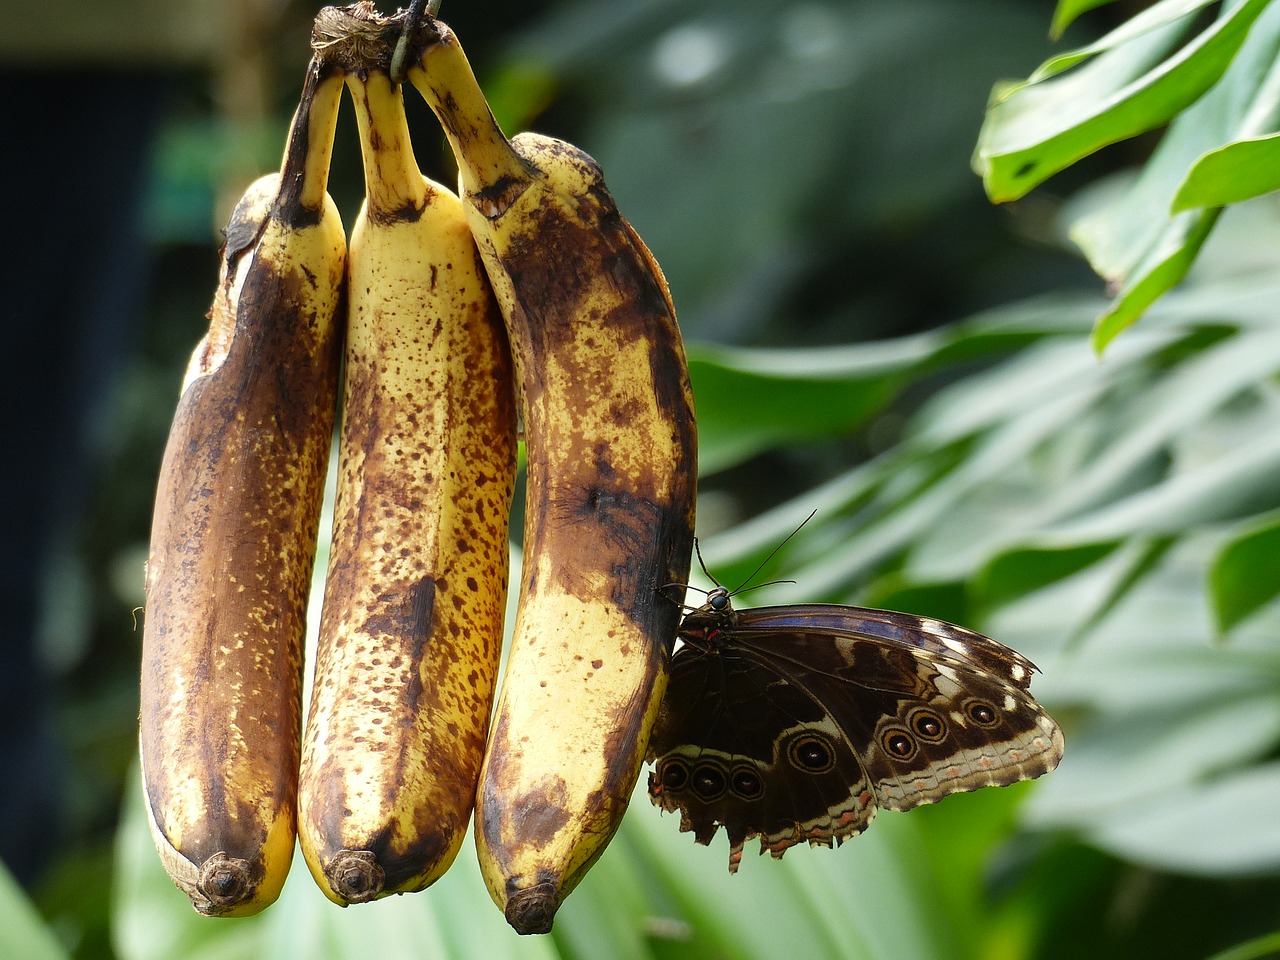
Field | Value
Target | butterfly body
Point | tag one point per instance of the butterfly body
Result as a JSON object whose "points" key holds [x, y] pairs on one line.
{"points": [[797, 723]]}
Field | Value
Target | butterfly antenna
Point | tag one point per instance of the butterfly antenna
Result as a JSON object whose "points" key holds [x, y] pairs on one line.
{"points": [[697, 548], [772, 553], [759, 586], [682, 586]]}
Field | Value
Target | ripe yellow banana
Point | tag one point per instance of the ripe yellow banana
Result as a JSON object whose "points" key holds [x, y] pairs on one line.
{"points": [[411, 628], [608, 418], [234, 532]]}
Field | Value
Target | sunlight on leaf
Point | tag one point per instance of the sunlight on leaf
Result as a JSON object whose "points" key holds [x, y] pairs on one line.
{"points": [[1234, 484]]}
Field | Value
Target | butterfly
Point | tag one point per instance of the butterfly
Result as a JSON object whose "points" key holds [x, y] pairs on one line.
{"points": [[797, 723]]}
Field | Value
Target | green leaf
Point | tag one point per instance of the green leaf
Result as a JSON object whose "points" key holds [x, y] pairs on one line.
{"points": [[22, 930], [1067, 11], [1152, 18], [1231, 174], [1141, 558], [1245, 574], [1127, 759], [1162, 269], [751, 400], [1134, 242], [945, 600], [1238, 482], [1241, 837], [1034, 130], [1258, 948], [1187, 394], [1020, 571], [1031, 131]]}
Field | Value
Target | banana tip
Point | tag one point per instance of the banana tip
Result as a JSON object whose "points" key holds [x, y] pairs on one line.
{"points": [[355, 875], [533, 909], [224, 882]]}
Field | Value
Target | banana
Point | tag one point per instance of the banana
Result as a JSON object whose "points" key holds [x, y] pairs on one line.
{"points": [[609, 425], [411, 626], [234, 532]]}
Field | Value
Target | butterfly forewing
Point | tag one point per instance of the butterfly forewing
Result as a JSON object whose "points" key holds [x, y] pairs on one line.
{"points": [[932, 637], [794, 723]]}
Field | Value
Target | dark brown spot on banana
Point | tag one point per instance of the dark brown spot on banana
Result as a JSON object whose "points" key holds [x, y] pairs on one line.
{"points": [[406, 214], [497, 199]]}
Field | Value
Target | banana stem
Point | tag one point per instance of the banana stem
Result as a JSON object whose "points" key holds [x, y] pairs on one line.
{"points": [[412, 20], [393, 181], [444, 78], [304, 171]]}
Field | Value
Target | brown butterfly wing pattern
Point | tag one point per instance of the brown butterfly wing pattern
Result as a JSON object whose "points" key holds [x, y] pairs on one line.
{"points": [[796, 723]]}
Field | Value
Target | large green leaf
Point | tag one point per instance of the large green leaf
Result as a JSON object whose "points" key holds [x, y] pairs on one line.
{"points": [[1034, 130], [1247, 165], [751, 400], [1141, 243]]}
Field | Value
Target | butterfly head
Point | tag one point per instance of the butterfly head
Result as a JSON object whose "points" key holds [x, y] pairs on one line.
{"points": [[718, 600]]}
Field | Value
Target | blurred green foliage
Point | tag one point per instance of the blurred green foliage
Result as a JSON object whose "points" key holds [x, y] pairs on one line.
{"points": [[871, 338]]}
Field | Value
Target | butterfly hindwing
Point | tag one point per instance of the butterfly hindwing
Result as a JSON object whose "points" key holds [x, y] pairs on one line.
{"points": [[729, 733]]}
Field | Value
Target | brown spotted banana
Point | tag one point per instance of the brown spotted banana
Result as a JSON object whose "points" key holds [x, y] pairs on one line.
{"points": [[412, 619], [234, 533], [609, 424]]}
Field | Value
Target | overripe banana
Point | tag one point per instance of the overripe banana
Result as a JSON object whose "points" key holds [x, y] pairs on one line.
{"points": [[234, 532], [411, 628], [609, 424]]}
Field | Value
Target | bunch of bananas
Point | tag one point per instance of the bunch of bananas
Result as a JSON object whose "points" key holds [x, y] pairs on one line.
{"points": [[529, 293]]}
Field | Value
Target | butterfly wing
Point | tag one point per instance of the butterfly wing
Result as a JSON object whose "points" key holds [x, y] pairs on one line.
{"points": [[834, 711], [729, 731], [931, 708]]}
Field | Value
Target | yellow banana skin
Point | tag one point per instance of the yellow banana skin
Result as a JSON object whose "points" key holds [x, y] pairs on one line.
{"points": [[234, 533], [609, 424], [411, 628]]}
